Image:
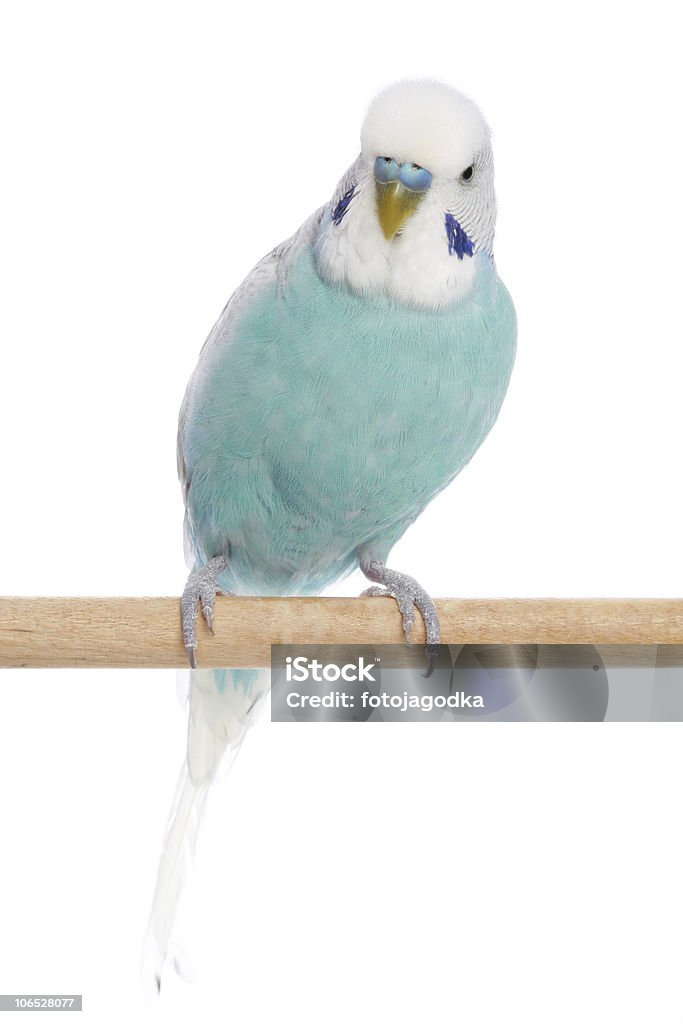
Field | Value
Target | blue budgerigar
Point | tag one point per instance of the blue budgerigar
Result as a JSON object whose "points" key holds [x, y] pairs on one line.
{"points": [[348, 380]]}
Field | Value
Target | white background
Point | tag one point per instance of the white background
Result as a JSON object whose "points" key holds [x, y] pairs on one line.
{"points": [[152, 153]]}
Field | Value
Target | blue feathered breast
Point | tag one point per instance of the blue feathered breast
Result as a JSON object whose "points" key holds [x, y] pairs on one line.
{"points": [[329, 420]]}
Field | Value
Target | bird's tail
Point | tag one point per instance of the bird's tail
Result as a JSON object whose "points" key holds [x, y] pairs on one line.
{"points": [[222, 704]]}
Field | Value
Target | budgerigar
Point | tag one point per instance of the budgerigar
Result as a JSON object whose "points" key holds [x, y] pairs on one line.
{"points": [[348, 380]]}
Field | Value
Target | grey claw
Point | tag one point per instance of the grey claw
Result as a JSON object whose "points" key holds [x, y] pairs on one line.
{"points": [[409, 595], [405, 605], [432, 658], [431, 619], [208, 615], [200, 590], [408, 620]]}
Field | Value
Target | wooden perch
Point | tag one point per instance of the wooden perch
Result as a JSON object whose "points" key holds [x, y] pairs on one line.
{"points": [[144, 632]]}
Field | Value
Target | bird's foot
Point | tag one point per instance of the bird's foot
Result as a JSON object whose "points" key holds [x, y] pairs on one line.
{"points": [[408, 595], [200, 589]]}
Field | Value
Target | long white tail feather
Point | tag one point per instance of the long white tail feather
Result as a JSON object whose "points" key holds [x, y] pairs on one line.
{"points": [[220, 714], [182, 686]]}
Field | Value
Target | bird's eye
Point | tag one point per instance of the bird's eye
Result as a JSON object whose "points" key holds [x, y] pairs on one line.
{"points": [[386, 169], [467, 173], [415, 178]]}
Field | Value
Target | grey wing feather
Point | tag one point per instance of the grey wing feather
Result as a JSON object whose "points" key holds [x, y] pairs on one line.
{"points": [[272, 267]]}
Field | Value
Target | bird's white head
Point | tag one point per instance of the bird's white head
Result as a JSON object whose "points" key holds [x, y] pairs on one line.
{"points": [[415, 214]]}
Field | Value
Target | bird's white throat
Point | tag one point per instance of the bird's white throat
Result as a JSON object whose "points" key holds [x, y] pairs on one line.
{"points": [[415, 268]]}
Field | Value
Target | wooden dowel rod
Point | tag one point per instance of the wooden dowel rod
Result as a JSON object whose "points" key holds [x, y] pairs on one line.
{"points": [[144, 632]]}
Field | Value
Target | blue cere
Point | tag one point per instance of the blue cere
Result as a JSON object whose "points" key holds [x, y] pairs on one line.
{"points": [[343, 205], [459, 242], [414, 177], [386, 169]]}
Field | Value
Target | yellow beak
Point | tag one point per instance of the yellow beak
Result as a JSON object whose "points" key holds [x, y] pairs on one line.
{"points": [[395, 203]]}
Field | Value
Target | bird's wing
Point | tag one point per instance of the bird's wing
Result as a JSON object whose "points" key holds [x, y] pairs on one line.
{"points": [[271, 268]]}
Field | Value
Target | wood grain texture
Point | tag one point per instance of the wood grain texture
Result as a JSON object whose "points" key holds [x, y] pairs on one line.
{"points": [[144, 632]]}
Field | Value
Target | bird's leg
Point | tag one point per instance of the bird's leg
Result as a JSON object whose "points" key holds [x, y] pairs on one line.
{"points": [[408, 595], [201, 588]]}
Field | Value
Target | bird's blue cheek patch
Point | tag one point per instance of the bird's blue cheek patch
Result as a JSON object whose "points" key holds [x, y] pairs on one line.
{"points": [[343, 205], [459, 242]]}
